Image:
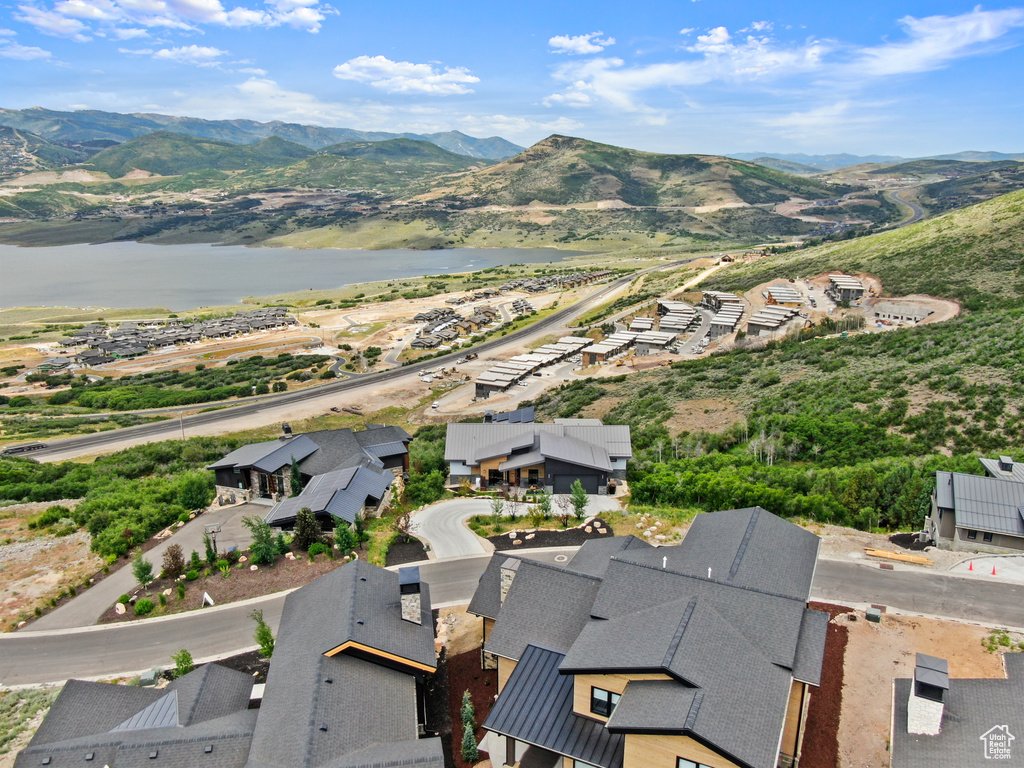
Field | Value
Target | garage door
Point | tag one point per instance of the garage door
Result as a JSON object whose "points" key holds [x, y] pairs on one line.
{"points": [[563, 483]]}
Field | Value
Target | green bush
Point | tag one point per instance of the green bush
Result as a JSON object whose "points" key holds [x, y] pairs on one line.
{"points": [[264, 636], [183, 663], [163, 600], [317, 548], [124, 599], [181, 590], [143, 606], [192, 575]]}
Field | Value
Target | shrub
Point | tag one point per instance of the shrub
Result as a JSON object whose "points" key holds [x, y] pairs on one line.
{"points": [[264, 549], [163, 600], [282, 545], [195, 562], [123, 599], [470, 752], [183, 663], [317, 548], [142, 569], [307, 529], [184, 517], [578, 498], [181, 590], [264, 636], [211, 552], [143, 606], [174, 562], [467, 711], [192, 575]]}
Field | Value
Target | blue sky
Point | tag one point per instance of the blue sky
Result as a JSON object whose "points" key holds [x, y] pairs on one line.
{"points": [[899, 77]]}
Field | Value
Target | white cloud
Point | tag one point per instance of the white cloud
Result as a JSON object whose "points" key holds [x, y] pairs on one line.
{"points": [[687, 30], [937, 40], [506, 125], [12, 50], [580, 45], [190, 54], [406, 77], [136, 51], [52, 23], [253, 71], [129, 33]]}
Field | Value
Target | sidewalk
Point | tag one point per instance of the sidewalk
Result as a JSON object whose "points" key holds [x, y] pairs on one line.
{"points": [[89, 605]]}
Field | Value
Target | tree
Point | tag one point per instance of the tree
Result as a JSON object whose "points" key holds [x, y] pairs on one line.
{"points": [[195, 490], [467, 711], [578, 498], [183, 663], [296, 478], [496, 506], [544, 503], [264, 547], [470, 752], [264, 636], [343, 536], [211, 551], [307, 529], [174, 562], [142, 569]]}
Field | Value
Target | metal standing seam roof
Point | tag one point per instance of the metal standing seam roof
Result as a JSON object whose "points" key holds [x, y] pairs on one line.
{"points": [[1016, 473], [944, 490], [574, 451], [464, 442], [535, 706], [988, 504]]}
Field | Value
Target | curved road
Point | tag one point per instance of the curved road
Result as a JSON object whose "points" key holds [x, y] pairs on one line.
{"points": [[917, 212], [207, 423], [39, 657]]}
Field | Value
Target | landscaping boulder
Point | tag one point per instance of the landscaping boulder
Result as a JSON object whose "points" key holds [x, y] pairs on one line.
{"points": [[119, 609], [254, 567]]}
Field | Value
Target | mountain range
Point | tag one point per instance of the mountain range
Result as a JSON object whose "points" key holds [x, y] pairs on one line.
{"points": [[95, 125], [801, 163]]}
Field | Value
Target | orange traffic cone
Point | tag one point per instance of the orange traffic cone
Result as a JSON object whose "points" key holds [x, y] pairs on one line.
{"points": [[993, 570], [970, 566]]}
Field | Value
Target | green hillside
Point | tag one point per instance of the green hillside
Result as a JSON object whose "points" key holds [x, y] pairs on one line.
{"points": [[172, 154], [562, 170], [974, 255], [786, 166], [24, 152], [999, 179], [930, 167]]}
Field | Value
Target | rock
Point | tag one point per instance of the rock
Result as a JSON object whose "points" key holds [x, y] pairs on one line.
{"points": [[602, 531], [167, 592], [530, 536], [512, 534], [661, 537], [289, 556], [192, 515], [254, 567], [639, 525], [119, 609], [588, 529], [179, 524], [517, 542], [243, 559], [182, 577], [23, 623], [647, 533], [589, 520]]}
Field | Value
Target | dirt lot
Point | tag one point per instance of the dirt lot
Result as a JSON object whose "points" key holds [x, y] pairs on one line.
{"points": [[36, 566], [708, 415], [876, 653], [840, 543]]}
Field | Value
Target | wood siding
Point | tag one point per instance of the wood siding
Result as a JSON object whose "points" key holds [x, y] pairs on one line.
{"points": [[505, 668], [662, 751], [794, 711], [614, 683]]}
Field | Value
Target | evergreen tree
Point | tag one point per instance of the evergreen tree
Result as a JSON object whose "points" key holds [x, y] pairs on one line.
{"points": [[296, 478], [264, 548], [579, 499], [142, 569], [307, 529]]}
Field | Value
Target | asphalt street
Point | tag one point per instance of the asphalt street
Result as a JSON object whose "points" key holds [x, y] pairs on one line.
{"points": [[38, 657]]}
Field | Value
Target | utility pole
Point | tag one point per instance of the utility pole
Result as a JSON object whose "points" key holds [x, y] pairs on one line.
{"points": [[181, 423]]}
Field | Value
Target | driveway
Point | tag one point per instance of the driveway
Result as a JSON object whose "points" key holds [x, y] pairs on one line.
{"points": [[443, 525], [91, 603]]}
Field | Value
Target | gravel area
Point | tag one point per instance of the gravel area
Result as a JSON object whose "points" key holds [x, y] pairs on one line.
{"points": [[570, 537]]}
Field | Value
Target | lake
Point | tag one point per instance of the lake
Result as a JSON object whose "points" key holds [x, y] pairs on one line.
{"points": [[183, 277]]}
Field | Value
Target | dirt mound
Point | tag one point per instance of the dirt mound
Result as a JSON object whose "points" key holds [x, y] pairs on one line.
{"points": [[908, 541]]}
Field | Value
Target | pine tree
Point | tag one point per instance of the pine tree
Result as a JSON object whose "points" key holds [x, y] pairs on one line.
{"points": [[307, 529], [296, 478]]}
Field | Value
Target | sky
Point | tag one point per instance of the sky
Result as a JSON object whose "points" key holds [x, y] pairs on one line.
{"points": [[686, 76]]}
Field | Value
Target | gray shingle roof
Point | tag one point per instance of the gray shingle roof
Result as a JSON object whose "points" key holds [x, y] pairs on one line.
{"points": [[592, 557], [972, 708], [988, 504], [365, 703], [666, 706], [535, 706], [343, 493], [487, 597], [467, 442], [545, 605], [810, 649]]}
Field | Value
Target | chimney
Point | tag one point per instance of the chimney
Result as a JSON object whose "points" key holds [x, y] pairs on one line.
{"points": [[508, 573], [927, 695], [286, 431], [409, 589], [1005, 464]]}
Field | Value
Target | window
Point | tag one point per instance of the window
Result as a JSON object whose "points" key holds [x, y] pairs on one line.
{"points": [[987, 536], [682, 762], [603, 702], [972, 535]]}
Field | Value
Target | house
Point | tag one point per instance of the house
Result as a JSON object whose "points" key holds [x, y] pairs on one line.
{"points": [[531, 454], [844, 288], [938, 720], [783, 296], [349, 493], [979, 514], [264, 469], [629, 655], [344, 690]]}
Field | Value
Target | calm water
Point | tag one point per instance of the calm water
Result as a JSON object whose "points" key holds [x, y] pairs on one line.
{"points": [[191, 276]]}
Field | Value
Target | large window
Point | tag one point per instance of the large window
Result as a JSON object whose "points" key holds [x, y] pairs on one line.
{"points": [[682, 762], [603, 702]]}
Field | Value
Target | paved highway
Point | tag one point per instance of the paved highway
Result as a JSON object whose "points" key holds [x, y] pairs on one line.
{"points": [[219, 421], [38, 657], [917, 212]]}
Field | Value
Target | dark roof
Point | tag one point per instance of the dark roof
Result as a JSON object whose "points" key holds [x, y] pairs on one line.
{"points": [[989, 504], [535, 706], [365, 703], [749, 548], [972, 709], [122, 725], [664, 706], [320, 452], [810, 649], [592, 557], [487, 597], [546, 605], [518, 416], [471, 442], [342, 493]]}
